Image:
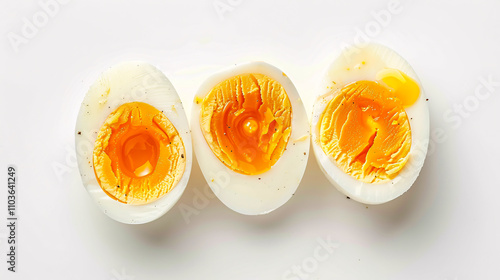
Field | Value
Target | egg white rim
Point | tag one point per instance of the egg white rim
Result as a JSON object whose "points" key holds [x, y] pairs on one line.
{"points": [[173, 109]]}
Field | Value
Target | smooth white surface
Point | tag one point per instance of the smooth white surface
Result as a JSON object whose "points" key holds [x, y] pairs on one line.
{"points": [[445, 227]]}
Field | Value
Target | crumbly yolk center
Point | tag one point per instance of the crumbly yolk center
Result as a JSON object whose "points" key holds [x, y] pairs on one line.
{"points": [[366, 130], [246, 121], [138, 155]]}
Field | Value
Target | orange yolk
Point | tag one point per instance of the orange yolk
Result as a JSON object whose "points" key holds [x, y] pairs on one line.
{"points": [[138, 154], [246, 121], [366, 130]]}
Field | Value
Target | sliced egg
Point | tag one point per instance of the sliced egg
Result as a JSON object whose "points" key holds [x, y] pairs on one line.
{"points": [[370, 124], [251, 137], [133, 143]]}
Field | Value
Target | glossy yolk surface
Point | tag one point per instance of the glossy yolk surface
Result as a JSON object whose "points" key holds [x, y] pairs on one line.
{"points": [[138, 154], [402, 87], [366, 130], [246, 121]]}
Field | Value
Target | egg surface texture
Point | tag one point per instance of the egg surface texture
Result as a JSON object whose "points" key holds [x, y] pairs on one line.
{"points": [[251, 137], [370, 124], [133, 143]]}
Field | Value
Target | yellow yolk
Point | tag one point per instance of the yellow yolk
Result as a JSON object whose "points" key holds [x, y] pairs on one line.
{"points": [[366, 130], [246, 121], [403, 87], [138, 155]]}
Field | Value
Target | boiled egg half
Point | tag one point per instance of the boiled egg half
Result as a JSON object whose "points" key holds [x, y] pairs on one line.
{"points": [[251, 137], [133, 143], [370, 124]]}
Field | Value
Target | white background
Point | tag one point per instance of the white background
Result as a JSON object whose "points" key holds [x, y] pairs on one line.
{"points": [[446, 226]]}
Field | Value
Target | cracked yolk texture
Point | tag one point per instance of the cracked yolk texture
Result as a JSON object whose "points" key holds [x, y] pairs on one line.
{"points": [[366, 130], [138, 155], [246, 121]]}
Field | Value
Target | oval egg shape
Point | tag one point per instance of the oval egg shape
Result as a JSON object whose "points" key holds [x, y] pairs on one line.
{"points": [[133, 143], [251, 137], [370, 124]]}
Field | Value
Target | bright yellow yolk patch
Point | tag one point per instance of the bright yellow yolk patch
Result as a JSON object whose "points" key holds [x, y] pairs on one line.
{"points": [[366, 130], [246, 121], [403, 87], [138, 155]]}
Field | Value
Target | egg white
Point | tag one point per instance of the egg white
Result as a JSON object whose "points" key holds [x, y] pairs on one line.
{"points": [[262, 193], [376, 57], [123, 83]]}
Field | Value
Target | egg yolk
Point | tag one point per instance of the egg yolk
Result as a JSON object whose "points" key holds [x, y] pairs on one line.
{"points": [[366, 130], [402, 87], [246, 121], [138, 154]]}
